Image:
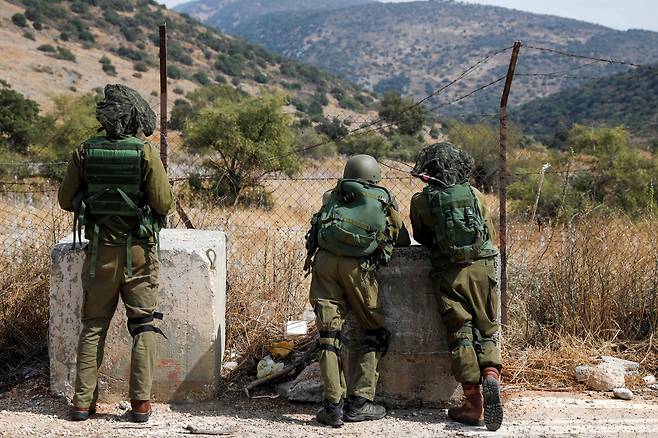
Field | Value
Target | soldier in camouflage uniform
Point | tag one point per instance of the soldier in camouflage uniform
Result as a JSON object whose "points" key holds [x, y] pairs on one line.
{"points": [[353, 233], [118, 189], [450, 217]]}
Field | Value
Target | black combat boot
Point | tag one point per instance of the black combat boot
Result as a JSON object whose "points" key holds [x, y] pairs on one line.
{"points": [[362, 409], [331, 414]]}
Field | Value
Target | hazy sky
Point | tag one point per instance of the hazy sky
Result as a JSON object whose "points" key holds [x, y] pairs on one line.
{"points": [[619, 14]]}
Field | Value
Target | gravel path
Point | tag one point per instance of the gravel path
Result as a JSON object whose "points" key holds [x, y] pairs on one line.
{"points": [[29, 410]]}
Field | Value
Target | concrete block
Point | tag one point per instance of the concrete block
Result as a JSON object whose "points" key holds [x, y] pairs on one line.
{"points": [[416, 369], [192, 298]]}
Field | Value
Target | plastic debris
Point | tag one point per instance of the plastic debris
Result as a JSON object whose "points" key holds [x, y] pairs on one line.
{"points": [[295, 328], [267, 366], [281, 350]]}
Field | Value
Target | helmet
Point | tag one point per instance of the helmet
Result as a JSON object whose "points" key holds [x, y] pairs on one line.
{"points": [[444, 162], [362, 167], [124, 112]]}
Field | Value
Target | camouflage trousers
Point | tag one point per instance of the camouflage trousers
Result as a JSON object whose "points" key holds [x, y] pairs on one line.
{"points": [[139, 294], [469, 306], [340, 285]]}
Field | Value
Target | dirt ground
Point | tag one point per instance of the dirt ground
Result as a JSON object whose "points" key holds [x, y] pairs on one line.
{"points": [[29, 410]]}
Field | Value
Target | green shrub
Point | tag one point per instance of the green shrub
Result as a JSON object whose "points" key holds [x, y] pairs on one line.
{"points": [[47, 48], [18, 117], [140, 66], [29, 35], [19, 20], [37, 25], [179, 90], [231, 65], [65, 54], [174, 72], [201, 77], [107, 66]]}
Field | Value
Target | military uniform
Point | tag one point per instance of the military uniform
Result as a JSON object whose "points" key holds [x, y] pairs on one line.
{"points": [[341, 284], [464, 277], [467, 296], [119, 261]]}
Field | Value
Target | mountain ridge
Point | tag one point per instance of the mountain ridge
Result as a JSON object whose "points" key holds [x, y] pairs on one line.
{"points": [[417, 47]]}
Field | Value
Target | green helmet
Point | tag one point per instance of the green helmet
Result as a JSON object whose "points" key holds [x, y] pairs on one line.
{"points": [[445, 162], [363, 167], [123, 112]]}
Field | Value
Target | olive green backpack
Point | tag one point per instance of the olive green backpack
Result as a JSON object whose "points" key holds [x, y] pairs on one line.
{"points": [[353, 221], [460, 231]]}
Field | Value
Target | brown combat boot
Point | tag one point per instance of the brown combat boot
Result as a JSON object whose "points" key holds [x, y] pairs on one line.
{"points": [[471, 412], [141, 411], [81, 414], [493, 408]]}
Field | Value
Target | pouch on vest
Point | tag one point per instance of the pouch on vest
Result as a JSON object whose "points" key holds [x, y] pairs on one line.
{"points": [[353, 222]]}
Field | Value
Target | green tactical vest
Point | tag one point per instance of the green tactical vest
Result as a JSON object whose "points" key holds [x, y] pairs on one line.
{"points": [[460, 230], [112, 171], [353, 222]]}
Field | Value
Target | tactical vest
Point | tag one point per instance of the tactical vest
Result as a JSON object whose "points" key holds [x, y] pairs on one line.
{"points": [[112, 171], [460, 232], [353, 221]]}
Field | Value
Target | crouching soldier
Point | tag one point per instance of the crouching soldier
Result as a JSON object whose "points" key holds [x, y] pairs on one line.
{"points": [[117, 188], [450, 217], [353, 233]]}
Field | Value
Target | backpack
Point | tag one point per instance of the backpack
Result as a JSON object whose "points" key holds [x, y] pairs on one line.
{"points": [[353, 221], [460, 232], [112, 171]]}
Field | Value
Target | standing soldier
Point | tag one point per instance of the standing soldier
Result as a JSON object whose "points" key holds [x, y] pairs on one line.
{"points": [[117, 188], [450, 217], [353, 233]]}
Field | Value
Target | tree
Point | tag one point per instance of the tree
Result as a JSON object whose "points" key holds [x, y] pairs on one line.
{"points": [[403, 113], [199, 99], [18, 117], [72, 120], [365, 143], [245, 140]]}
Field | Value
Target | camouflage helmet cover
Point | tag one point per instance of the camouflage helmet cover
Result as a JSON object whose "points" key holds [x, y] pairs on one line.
{"points": [[364, 167], [444, 162], [124, 112]]}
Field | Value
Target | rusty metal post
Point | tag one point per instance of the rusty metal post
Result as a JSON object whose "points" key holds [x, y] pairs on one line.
{"points": [[163, 96], [502, 175]]}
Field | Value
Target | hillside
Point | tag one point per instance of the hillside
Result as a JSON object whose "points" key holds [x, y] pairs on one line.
{"points": [[418, 46], [227, 15], [59, 47], [628, 99]]}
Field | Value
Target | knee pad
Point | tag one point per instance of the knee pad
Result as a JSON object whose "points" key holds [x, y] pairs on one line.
{"points": [[377, 340], [145, 328], [334, 338]]}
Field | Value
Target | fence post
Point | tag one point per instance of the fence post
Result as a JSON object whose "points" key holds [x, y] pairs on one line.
{"points": [[163, 95], [502, 175]]}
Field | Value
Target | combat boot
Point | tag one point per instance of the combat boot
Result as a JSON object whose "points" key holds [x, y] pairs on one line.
{"points": [[493, 408], [82, 414], [471, 412], [331, 414], [362, 409], [141, 411]]}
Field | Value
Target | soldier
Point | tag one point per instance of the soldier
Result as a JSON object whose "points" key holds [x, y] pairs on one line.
{"points": [[353, 233], [450, 217], [117, 188]]}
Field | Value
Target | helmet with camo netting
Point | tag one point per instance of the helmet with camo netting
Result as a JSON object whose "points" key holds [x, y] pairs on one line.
{"points": [[444, 162]]}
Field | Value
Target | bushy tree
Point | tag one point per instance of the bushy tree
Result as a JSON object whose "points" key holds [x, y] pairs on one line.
{"points": [[67, 125], [403, 113], [18, 119], [244, 140], [366, 143], [309, 139]]}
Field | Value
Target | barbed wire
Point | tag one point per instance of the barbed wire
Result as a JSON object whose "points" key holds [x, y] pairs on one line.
{"points": [[579, 56]]}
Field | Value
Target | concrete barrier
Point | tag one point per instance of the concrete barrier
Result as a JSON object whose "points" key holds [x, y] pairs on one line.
{"points": [[416, 369], [192, 298]]}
